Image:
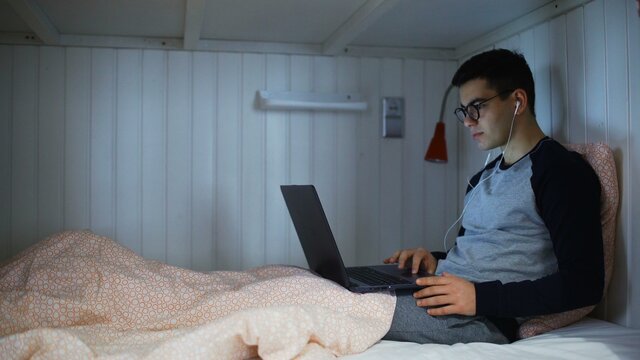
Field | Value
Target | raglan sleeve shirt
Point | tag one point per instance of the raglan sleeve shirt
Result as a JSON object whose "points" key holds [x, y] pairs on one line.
{"points": [[567, 196]]}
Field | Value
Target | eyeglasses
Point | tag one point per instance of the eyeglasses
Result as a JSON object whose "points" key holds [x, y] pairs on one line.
{"points": [[473, 110]]}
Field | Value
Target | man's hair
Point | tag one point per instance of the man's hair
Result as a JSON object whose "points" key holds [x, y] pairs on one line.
{"points": [[502, 69]]}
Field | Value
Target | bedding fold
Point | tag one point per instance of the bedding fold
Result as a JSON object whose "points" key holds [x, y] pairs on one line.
{"points": [[80, 295]]}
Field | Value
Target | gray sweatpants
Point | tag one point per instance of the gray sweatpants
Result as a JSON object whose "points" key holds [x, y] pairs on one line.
{"points": [[412, 323]]}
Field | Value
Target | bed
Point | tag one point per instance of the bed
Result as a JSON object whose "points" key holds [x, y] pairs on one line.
{"points": [[78, 295], [586, 339]]}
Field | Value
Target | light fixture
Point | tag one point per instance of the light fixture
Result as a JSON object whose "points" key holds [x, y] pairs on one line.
{"points": [[437, 151], [287, 100]]}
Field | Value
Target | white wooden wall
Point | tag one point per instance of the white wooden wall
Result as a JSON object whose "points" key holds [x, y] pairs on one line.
{"points": [[586, 65], [165, 152]]}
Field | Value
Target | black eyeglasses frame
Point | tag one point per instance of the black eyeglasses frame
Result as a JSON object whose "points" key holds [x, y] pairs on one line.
{"points": [[462, 112]]}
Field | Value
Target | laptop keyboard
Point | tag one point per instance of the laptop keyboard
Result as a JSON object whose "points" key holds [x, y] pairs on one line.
{"points": [[373, 277]]}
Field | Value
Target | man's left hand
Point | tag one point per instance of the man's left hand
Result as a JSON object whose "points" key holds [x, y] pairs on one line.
{"points": [[446, 295]]}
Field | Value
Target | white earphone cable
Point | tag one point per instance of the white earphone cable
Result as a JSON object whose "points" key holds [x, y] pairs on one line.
{"points": [[473, 188]]}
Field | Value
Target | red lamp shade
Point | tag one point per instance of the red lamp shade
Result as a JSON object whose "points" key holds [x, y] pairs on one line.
{"points": [[437, 151]]}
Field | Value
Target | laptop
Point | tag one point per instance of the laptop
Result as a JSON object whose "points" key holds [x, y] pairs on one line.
{"points": [[321, 251]]}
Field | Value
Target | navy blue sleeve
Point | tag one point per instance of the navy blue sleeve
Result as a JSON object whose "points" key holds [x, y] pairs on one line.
{"points": [[567, 194]]}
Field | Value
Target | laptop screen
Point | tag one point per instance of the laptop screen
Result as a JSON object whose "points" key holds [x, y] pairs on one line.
{"points": [[314, 232]]}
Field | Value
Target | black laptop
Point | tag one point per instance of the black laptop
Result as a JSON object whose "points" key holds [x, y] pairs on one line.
{"points": [[322, 253]]}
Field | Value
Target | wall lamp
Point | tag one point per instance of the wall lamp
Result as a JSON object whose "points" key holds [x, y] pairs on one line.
{"points": [[437, 151]]}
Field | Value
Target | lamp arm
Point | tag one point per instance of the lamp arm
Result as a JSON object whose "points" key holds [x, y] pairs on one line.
{"points": [[444, 102]]}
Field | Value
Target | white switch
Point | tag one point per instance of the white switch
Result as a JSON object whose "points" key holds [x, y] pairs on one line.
{"points": [[392, 117]]}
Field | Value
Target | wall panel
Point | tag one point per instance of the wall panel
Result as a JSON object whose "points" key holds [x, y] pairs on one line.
{"points": [[540, 62], [128, 149], [179, 159], [154, 155], [77, 148], [228, 197], [24, 153], [276, 162], [558, 72], [51, 138], [576, 113], [103, 147], [6, 134], [369, 155], [202, 172], [253, 164], [346, 161], [595, 79]]}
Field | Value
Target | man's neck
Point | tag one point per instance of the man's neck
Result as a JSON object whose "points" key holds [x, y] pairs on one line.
{"points": [[524, 139]]}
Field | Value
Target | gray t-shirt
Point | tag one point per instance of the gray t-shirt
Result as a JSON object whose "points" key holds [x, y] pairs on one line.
{"points": [[505, 238], [531, 238]]}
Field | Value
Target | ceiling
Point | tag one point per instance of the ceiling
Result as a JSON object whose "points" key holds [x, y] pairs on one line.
{"points": [[320, 26]]}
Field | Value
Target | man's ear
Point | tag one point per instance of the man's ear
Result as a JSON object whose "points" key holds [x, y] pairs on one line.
{"points": [[521, 102]]}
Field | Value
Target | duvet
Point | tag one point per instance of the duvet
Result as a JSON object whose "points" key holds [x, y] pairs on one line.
{"points": [[80, 295]]}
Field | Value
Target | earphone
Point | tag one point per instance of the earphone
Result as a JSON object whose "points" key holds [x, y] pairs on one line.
{"points": [[473, 192]]}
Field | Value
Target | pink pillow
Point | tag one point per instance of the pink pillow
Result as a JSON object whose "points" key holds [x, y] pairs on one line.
{"points": [[600, 156]]}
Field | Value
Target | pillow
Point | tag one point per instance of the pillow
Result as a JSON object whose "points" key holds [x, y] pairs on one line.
{"points": [[600, 156]]}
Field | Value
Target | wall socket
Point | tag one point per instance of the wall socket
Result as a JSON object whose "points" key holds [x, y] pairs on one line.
{"points": [[392, 117]]}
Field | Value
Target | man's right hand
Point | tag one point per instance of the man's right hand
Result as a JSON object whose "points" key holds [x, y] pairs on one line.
{"points": [[418, 257]]}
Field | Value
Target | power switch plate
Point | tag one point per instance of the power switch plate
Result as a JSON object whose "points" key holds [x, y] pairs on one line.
{"points": [[392, 117]]}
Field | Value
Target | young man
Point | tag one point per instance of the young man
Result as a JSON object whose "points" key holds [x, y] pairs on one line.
{"points": [[530, 241]]}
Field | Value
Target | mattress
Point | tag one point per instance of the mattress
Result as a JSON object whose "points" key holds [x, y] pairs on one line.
{"points": [[587, 339]]}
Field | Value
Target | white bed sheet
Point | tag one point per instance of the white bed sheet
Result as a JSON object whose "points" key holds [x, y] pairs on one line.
{"points": [[587, 339]]}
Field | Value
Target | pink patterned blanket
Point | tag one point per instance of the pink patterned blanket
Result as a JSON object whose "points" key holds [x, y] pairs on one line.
{"points": [[80, 295]]}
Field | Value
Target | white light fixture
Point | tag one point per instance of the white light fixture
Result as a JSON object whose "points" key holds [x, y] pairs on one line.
{"points": [[286, 100]]}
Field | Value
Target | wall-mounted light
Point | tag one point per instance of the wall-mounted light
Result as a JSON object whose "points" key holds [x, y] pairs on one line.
{"points": [[287, 100], [437, 151]]}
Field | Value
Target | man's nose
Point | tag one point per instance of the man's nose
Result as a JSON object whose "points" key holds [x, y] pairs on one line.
{"points": [[469, 122]]}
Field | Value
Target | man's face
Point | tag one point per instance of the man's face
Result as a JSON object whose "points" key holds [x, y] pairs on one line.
{"points": [[492, 127]]}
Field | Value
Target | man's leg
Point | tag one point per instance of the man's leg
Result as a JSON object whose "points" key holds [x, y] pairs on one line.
{"points": [[412, 323]]}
